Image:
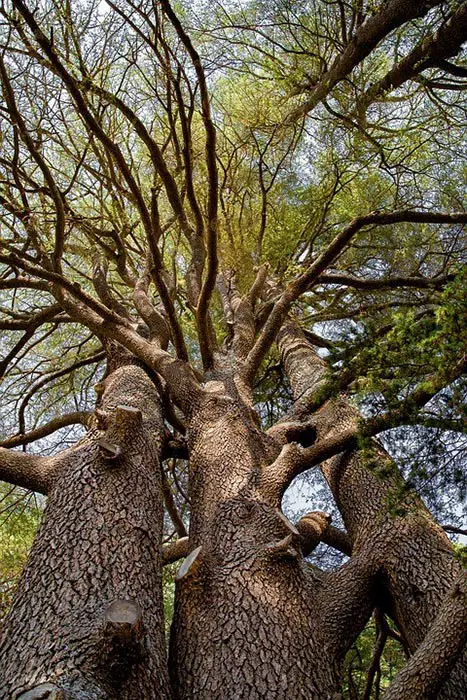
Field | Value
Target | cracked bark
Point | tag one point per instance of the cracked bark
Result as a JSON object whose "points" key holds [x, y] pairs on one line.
{"points": [[252, 619], [95, 559]]}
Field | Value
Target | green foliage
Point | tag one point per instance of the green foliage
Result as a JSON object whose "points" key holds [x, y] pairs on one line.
{"points": [[20, 515], [359, 660], [168, 592], [461, 554]]}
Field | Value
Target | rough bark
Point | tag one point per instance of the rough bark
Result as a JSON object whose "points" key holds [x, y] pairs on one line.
{"points": [[418, 562], [87, 619], [252, 619], [427, 670]]}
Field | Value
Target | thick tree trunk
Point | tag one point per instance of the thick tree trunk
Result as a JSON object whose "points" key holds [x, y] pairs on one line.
{"points": [[418, 562], [252, 619], [87, 618]]}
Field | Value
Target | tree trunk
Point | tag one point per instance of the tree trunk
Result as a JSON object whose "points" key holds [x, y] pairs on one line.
{"points": [[87, 620], [252, 619]]}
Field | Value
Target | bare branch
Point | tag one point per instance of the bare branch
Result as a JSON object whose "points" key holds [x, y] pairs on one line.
{"points": [[76, 418], [326, 258], [211, 162], [392, 14], [155, 321]]}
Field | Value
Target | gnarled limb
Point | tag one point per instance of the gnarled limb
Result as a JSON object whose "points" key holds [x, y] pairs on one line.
{"points": [[202, 316], [427, 670], [28, 471]]}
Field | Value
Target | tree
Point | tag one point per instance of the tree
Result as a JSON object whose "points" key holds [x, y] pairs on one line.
{"points": [[215, 207]]}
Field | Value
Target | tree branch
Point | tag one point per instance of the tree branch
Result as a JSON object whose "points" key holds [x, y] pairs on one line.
{"points": [[429, 667], [442, 44], [175, 550], [326, 258], [76, 418], [211, 162], [28, 471], [392, 14]]}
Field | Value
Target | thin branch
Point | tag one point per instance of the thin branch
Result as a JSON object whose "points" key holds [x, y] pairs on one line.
{"points": [[76, 418], [432, 50], [332, 252], [212, 209]]}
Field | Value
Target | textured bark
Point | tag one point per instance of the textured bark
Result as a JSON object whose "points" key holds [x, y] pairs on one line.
{"points": [[95, 561], [252, 619], [427, 670], [418, 561]]}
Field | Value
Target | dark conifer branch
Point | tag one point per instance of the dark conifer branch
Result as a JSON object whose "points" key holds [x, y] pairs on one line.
{"points": [[333, 250]]}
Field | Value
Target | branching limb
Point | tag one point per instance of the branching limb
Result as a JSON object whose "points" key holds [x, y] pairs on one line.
{"points": [[311, 528], [381, 638], [46, 316], [258, 285], [175, 551], [213, 193], [28, 471], [392, 14], [429, 667], [32, 321], [76, 418], [99, 279], [322, 262], [154, 320], [171, 506], [294, 460], [97, 357], [385, 282], [442, 44], [347, 601]]}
